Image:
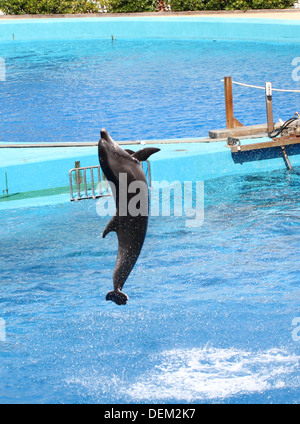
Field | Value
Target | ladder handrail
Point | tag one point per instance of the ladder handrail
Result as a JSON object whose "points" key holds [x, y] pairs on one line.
{"points": [[100, 181]]}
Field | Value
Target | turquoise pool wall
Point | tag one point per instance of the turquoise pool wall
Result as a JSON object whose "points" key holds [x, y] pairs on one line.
{"points": [[42, 168], [39, 169], [151, 27]]}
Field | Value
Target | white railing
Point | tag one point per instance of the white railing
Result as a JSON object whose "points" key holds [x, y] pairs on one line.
{"points": [[89, 182]]}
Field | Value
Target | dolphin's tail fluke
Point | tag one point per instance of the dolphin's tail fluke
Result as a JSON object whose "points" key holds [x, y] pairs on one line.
{"points": [[118, 297]]}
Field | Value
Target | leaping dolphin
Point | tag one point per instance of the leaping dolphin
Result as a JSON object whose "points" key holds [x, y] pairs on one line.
{"points": [[122, 168]]}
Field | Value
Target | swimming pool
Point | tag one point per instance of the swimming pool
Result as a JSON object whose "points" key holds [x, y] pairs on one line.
{"points": [[65, 91], [211, 309]]}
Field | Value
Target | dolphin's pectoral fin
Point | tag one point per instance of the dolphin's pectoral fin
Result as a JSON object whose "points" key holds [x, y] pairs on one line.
{"points": [[142, 155], [118, 297], [111, 226]]}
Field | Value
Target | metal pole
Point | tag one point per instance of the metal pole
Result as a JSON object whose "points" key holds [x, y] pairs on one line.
{"points": [[269, 105], [78, 183], [85, 185], [99, 179], [149, 174], [286, 158], [6, 183], [92, 178], [71, 185]]}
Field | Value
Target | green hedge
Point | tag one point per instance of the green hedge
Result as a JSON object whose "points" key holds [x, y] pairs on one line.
{"points": [[182, 5], [128, 6], [18, 7]]}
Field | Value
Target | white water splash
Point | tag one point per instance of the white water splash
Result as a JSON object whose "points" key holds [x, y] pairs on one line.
{"points": [[210, 373], [199, 374]]}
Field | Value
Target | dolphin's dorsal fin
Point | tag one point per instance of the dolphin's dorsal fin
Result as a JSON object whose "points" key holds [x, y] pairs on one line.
{"points": [[111, 226], [142, 155], [131, 152]]}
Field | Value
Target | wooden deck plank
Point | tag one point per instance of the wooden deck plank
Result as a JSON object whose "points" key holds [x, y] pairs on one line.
{"points": [[261, 129], [279, 142]]}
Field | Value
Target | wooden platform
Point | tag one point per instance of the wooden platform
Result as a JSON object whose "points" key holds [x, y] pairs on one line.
{"points": [[278, 142], [260, 130]]}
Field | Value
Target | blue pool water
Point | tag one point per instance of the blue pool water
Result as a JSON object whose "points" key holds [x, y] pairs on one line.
{"points": [[211, 309], [150, 89]]}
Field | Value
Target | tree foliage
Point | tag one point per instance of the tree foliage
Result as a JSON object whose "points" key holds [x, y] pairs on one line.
{"points": [[182, 5], [129, 6], [18, 7], [32, 7]]}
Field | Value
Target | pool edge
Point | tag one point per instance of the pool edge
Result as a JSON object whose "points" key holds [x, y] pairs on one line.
{"points": [[200, 27]]}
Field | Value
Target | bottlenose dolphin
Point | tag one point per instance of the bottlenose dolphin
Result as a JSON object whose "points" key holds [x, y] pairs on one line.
{"points": [[122, 168]]}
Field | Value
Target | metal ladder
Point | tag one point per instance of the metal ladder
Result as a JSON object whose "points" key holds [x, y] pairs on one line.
{"points": [[83, 188], [89, 182]]}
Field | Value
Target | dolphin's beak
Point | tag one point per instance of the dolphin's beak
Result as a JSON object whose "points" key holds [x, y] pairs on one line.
{"points": [[106, 137]]}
